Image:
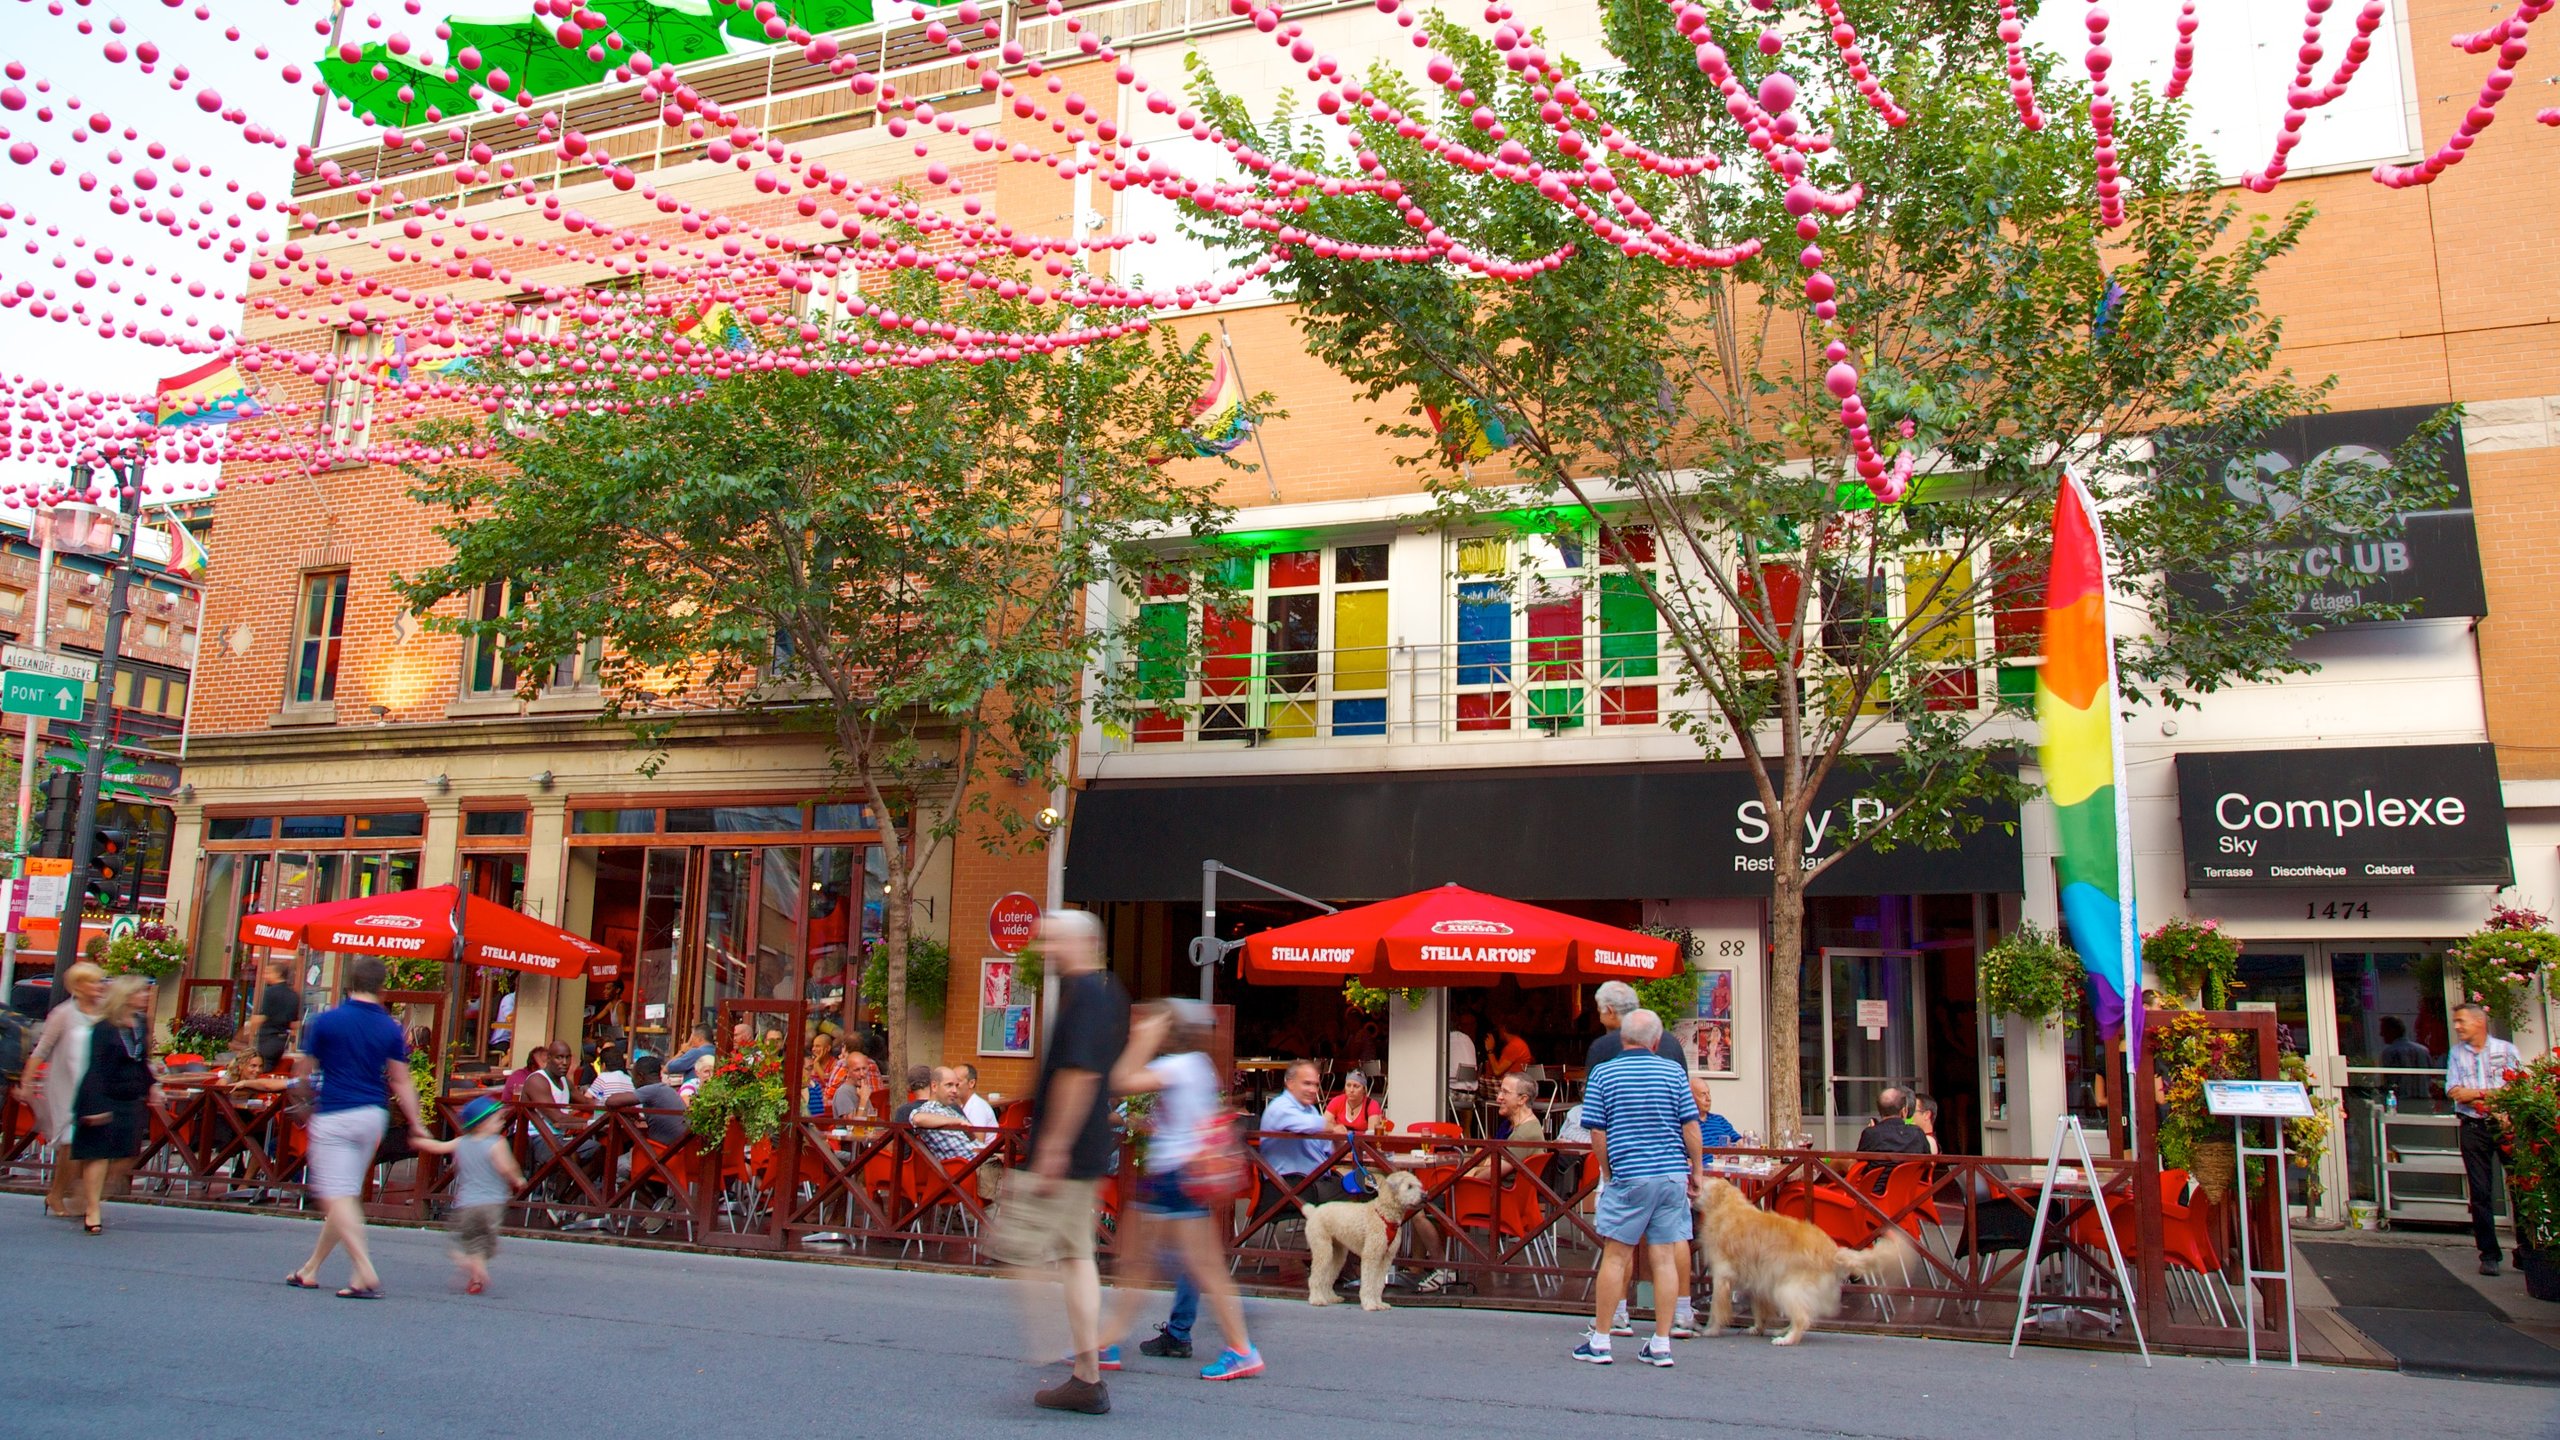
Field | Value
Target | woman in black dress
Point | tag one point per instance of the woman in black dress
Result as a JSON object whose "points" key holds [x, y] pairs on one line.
{"points": [[108, 1109]]}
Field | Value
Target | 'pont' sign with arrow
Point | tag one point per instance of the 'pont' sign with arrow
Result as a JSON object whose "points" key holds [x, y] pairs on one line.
{"points": [[46, 697]]}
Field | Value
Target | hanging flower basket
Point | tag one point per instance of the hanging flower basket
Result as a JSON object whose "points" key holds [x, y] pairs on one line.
{"points": [[2502, 962], [2194, 959], [2216, 1166]]}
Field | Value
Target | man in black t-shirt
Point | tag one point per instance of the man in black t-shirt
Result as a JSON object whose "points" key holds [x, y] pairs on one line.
{"points": [[1615, 1001], [279, 1007], [1048, 1219]]}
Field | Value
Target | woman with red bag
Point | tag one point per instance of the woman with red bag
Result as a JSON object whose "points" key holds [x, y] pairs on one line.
{"points": [[1194, 1165]]}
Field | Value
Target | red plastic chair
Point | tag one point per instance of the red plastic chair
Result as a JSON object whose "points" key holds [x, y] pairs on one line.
{"points": [[926, 1190], [2190, 1244]]}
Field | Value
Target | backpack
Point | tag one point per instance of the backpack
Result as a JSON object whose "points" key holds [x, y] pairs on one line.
{"points": [[1216, 1174], [18, 1037]]}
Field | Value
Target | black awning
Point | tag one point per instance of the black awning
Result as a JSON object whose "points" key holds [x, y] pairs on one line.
{"points": [[1657, 833]]}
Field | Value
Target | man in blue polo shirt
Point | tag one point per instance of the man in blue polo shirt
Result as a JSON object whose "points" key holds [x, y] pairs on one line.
{"points": [[1644, 1137], [362, 1057]]}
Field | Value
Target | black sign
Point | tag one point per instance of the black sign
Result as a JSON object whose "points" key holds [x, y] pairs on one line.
{"points": [[2378, 815], [1670, 832], [2429, 561]]}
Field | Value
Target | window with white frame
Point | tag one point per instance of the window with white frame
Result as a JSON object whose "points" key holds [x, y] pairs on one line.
{"points": [[347, 407], [1550, 632], [489, 674], [821, 299], [1299, 652], [1930, 600]]}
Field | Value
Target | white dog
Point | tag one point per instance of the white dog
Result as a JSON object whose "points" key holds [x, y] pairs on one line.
{"points": [[1368, 1226]]}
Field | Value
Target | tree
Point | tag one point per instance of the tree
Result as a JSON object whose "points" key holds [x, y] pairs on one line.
{"points": [[1998, 333], [896, 557]]}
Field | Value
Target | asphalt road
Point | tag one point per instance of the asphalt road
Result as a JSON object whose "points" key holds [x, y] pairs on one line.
{"points": [[176, 1322]]}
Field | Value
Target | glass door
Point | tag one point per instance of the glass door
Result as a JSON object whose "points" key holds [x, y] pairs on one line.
{"points": [[1872, 1001], [2392, 1029]]}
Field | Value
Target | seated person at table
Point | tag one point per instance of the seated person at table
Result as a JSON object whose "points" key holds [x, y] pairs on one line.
{"points": [[1615, 1001], [1355, 1109], [651, 1093], [1713, 1129], [534, 1062], [550, 1084], [1506, 1052], [697, 1046], [919, 1090], [1294, 1110], [940, 1125], [1892, 1133], [1515, 1123], [1462, 1054], [613, 1075], [1924, 1118], [852, 1101], [248, 1073]]}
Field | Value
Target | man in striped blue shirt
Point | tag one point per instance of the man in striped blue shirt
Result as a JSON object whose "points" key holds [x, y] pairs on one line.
{"points": [[2476, 1067], [1644, 1136]]}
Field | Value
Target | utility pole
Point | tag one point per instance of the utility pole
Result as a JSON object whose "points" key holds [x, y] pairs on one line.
{"points": [[84, 850]]}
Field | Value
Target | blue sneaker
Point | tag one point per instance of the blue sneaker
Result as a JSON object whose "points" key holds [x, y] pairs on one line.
{"points": [[1233, 1365], [1655, 1353], [1107, 1358], [1593, 1350]]}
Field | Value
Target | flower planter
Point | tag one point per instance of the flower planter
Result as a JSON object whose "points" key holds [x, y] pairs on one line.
{"points": [[2541, 1271], [2217, 1168]]}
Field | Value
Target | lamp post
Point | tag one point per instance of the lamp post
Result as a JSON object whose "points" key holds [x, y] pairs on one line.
{"points": [[93, 774]]}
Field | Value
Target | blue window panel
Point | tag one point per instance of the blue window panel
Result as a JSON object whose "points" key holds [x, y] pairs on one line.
{"points": [[1360, 717], [1484, 633]]}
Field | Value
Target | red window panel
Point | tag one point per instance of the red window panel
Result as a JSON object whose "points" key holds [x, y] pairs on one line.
{"points": [[2017, 605], [1157, 728], [1631, 705], [1297, 569], [1555, 640], [1165, 583], [1485, 712], [1627, 543], [1950, 689], [1226, 642], [1783, 585]]}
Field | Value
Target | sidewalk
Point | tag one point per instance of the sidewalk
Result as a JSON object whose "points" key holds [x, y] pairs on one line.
{"points": [[2415, 1300]]}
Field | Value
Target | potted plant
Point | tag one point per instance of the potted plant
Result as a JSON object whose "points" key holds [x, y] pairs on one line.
{"points": [[149, 949], [928, 976], [1370, 1000], [2194, 959], [2189, 1052], [207, 1037], [745, 1086], [2529, 1107], [2032, 974], [2501, 962]]}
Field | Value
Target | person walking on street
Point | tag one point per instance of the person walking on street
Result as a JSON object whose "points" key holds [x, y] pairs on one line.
{"points": [[2478, 1066], [1185, 1084], [107, 1110], [361, 1056], [62, 1052], [1047, 1220], [1644, 1137]]}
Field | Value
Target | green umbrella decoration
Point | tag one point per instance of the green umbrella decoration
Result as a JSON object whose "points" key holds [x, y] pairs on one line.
{"points": [[815, 16], [672, 31], [388, 90], [524, 54]]}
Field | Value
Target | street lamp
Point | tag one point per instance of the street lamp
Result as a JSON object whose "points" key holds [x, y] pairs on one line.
{"points": [[84, 850]]}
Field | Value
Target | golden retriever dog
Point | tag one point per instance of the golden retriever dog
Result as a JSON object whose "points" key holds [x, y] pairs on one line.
{"points": [[1367, 1226], [1787, 1266]]}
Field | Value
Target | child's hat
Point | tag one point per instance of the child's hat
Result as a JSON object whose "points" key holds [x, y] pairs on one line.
{"points": [[478, 1110]]}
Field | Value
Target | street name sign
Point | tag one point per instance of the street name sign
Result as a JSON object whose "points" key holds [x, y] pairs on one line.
{"points": [[46, 697], [45, 662]]}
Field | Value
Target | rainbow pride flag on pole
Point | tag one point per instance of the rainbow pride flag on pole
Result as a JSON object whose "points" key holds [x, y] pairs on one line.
{"points": [[2083, 757], [214, 393]]}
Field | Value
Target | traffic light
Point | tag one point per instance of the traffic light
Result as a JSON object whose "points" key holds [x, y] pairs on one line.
{"points": [[110, 866], [61, 814]]}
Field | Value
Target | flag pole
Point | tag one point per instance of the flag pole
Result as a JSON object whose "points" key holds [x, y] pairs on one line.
{"points": [[1270, 477], [2128, 927]]}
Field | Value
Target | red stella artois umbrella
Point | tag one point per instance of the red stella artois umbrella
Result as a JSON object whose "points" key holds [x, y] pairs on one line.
{"points": [[420, 923], [1453, 936]]}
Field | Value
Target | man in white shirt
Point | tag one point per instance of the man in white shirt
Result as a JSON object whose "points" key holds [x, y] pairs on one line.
{"points": [[975, 1106], [1462, 1058], [2475, 1068]]}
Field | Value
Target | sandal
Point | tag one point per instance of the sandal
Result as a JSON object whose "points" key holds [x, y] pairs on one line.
{"points": [[93, 1227], [297, 1281], [361, 1292]]}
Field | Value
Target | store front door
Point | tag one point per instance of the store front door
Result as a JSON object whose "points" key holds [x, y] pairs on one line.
{"points": [[1870, 1003], [2371, 1020]]}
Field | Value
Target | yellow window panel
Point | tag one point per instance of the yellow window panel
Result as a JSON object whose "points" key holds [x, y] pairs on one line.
{"points": [[1942, 623], [1290, 719], [1360, 642], [1486, 555]]}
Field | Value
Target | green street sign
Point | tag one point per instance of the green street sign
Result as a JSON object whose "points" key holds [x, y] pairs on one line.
{"points": [[46, 697]]}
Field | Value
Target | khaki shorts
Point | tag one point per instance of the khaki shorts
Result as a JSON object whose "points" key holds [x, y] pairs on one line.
{"points": [[474, 1229], [1044, 1224]]}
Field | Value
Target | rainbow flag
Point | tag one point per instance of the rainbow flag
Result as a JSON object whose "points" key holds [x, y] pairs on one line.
{"points": [[213, 393], [1469, 430], [187, 557], [2083, 756], [1219, 420]]}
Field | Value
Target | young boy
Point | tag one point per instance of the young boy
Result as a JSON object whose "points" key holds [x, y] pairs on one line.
{"points": [[485, 1178]]}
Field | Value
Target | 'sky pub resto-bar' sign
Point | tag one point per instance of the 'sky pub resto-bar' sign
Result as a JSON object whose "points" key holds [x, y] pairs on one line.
{"points": [[2377, 815]]}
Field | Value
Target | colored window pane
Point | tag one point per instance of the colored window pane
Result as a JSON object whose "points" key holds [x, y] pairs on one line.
{"points": [[1359, 564], [1226, 641], [2017, 604], [1938, 590], [613, 822], [1556, 550], [1555, 639], [1235, 572], [1629, 645], [1484, 711], [1484, 633], [1359, 641], [1297, 569], [1769, 605], [1627, 543], [1360, 717], [1630, 705], [2017, 684], [1291, 665], [1290, 719], [1162, 633], [1223, 722], [1157, 728], [1166, 583], [1558, 707], [1483, 556], [1854, 622], [1950, 689]]}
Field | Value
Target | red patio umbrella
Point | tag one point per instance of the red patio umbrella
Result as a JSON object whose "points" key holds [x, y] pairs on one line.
{"points": [[1453, 936], [421, 922]]}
